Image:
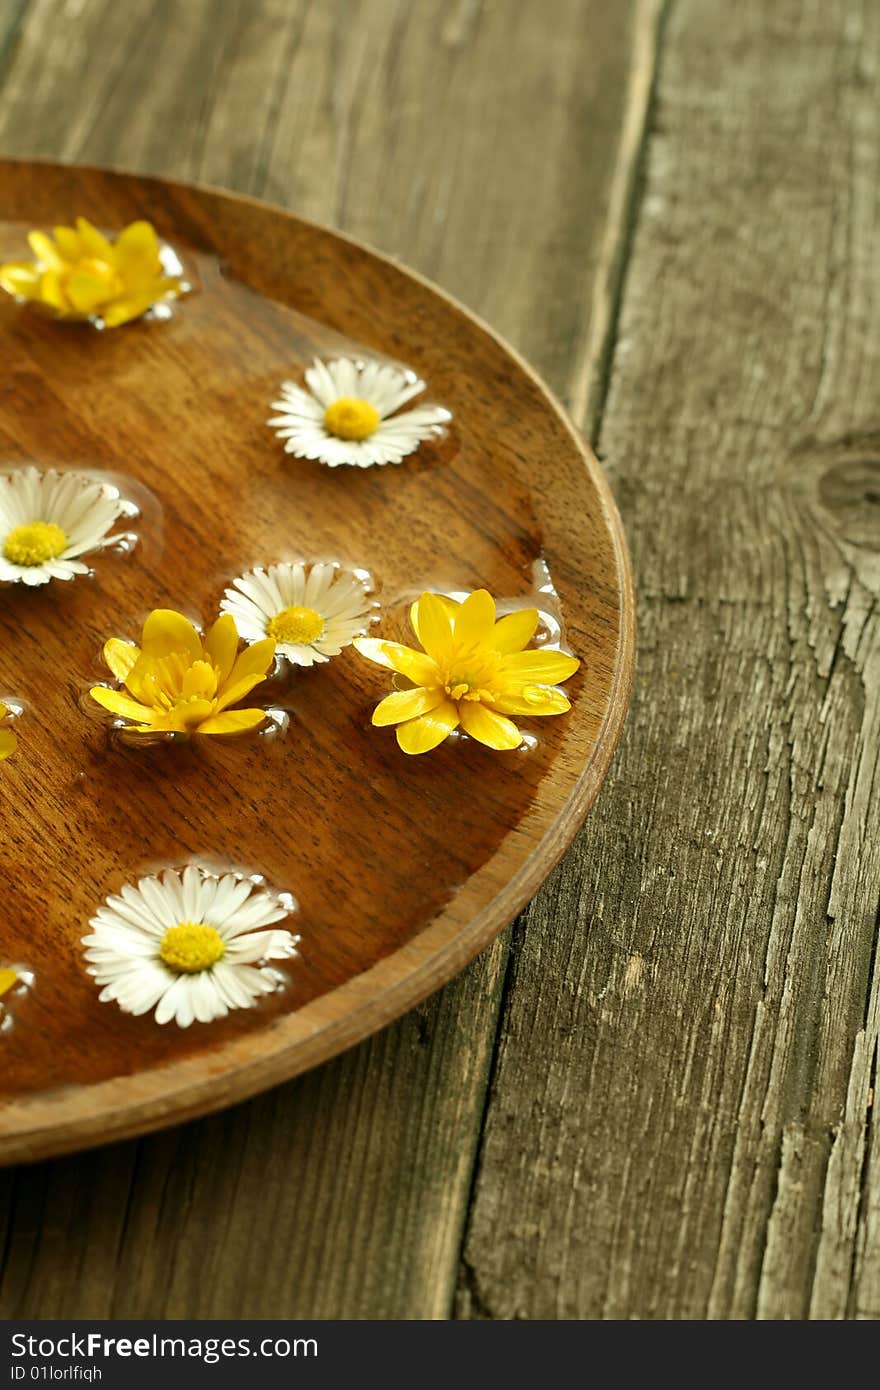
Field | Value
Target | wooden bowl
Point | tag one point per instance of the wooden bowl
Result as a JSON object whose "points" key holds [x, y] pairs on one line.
{"points": [[404, 868]]}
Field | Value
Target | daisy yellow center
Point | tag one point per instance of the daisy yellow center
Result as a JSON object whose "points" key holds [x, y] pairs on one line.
{"points": [[191, 947], [351, 418], [296, 625], [8, 978], [35, 543]]}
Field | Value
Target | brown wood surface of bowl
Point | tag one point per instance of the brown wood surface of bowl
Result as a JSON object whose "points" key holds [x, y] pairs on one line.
{"points": [[403, 868]]}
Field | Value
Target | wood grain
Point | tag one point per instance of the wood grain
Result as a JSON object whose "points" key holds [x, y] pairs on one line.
{"points": [[313, 135], [682, 1120]]}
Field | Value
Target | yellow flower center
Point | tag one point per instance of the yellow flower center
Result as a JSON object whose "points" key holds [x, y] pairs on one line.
{"points": [[298, 626], [8, 978], [351, 418], [191, 947], [35, 543], [470, 676], [463, 690]]}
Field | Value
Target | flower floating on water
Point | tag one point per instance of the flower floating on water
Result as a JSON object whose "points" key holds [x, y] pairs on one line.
{"points": [[312, 611], [82, 274], [49, 520], [347, 415], [473, 672], [8, 739], [175, 683], [190, 945]]}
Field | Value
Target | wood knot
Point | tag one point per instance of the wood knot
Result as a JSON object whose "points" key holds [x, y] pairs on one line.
{"points": [[850, 491]]}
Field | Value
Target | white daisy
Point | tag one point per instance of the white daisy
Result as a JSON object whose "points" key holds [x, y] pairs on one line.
{"points": [[312, 611], [48, 520], [188, 945], [347, 414]]}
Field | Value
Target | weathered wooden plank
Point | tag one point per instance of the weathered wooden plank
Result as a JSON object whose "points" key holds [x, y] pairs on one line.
{"points": [[691, 1131], [493, 147]]}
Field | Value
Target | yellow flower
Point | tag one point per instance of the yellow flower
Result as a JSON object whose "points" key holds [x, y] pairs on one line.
{"points": [[82, 275], [177, 683], [473, 672], [8, 740]]}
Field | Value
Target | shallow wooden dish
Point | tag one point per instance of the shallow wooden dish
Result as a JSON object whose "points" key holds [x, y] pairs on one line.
{"points": [[403, 868]]}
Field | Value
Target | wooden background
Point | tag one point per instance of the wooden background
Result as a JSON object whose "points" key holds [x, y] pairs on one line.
{"points": [[653, 1096]]}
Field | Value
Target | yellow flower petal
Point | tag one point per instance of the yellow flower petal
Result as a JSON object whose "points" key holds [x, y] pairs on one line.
{"points": [[221, 645], [487, 727], [149, 679], [120, 657], [51, 292], [233, 721], [137, 248], [68, 243], [541, 667], [87, 290], [186, 718], [21, 278], [255, 660], [123, 705], [165, 632], [475, 619], [422, 734], [124, 310], [416, 666], [449, 604], [45, 250], [406, 704], [93, 242], [237, 690], [435, 627], [199, 679], [515, 631], [532, 699], [8, 742]]}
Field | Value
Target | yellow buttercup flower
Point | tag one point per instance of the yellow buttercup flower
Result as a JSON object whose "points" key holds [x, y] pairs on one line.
{"points": [[178, 683], [473, 672], [8, 740], [81, 274]]}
